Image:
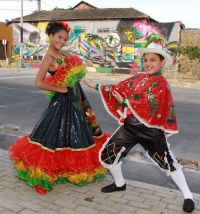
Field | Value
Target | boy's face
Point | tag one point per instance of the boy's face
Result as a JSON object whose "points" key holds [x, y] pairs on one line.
{"points": [[152, 63]]}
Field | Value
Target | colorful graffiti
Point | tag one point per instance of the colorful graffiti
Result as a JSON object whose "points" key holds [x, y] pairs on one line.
{"points": [[116, 48]]}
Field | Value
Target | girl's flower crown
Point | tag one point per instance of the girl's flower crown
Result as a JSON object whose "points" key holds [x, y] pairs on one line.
{"points": [[65, 25]]}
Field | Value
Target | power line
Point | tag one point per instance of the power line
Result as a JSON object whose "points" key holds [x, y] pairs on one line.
{"points": [[19, 0], [18, 10], [46, 5]]}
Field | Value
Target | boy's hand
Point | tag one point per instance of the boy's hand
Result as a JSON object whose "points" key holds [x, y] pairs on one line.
{"points": [[117, 96], [89, 83]]}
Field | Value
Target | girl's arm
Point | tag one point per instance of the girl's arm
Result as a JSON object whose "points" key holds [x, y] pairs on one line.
{"points": [[39, 81]]}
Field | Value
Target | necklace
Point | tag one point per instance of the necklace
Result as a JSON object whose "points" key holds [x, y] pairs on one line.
{"points": [[60, 60]]}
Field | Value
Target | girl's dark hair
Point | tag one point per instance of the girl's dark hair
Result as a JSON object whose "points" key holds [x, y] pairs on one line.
{"points": [[53, 27]]}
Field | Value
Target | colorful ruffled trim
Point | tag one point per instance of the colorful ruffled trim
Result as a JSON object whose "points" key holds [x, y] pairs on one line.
{"points": [[37, 177], [37, 166], [69, 72]]}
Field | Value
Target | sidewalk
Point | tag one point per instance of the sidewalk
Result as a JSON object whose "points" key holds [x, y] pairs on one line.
{"points": [[139, 198]]}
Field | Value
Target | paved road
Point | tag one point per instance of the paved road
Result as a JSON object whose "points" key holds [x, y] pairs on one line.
{"points": [[19, 99]]}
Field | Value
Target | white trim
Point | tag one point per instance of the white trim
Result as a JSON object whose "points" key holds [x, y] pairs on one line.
{"points": [[176, 164], [110, 166], [106, 107], [104, 145]]}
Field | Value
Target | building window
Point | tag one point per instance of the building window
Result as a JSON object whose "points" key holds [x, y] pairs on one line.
{"points": [[103, 30], [83, 30]]}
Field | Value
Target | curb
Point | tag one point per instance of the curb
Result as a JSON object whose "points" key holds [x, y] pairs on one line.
{"points": [[188, 165], [153, 187]]}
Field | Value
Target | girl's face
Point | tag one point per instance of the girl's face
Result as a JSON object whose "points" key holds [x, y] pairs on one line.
{"points": [[152, 63], [58, 40]]}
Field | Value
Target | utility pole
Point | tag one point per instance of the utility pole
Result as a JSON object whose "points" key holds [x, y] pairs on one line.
{"points": [[39, 5], [21, 29], [21, 36]]}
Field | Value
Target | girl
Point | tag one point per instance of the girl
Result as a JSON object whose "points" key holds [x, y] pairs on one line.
{"points": [[64, 145]]}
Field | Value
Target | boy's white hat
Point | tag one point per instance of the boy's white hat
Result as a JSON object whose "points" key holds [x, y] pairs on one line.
{"points": [[155, 48]]}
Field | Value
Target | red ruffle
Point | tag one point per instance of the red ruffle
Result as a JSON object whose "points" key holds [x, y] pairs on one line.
{"points": [[69, 62], [54, 163]]}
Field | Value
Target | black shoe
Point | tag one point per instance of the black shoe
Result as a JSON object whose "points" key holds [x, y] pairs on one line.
{"points": [[188, 205], [113, 188]]}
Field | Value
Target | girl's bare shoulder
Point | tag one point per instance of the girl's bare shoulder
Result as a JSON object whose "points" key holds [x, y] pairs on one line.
{"points": [[65, 53]]}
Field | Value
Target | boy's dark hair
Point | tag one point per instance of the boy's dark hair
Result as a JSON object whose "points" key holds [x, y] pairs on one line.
{"points": [[160, 56], [53, 27]]}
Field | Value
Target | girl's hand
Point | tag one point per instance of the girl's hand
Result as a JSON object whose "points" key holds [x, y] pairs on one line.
{"points": [[63, 89], [90, 83], [117, 96]]}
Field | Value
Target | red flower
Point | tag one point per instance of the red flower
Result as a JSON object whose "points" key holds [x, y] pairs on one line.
{"points": [[74, 60], [93, 117], [65, 25]]}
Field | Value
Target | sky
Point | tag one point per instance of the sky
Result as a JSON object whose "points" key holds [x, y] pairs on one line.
{"points": [[185, 11]]}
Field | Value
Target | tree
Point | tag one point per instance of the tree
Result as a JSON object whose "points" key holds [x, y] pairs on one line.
{"points": [[193, 54], [57, 8], [189, 51]]}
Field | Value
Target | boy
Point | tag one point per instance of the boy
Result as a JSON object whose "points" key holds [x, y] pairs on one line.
{"points": [[144, 107]]}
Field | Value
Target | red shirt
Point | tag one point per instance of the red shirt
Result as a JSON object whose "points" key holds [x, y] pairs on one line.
{"points": [[148, 98]]}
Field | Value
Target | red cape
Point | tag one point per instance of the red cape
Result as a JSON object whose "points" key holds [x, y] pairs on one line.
{"points": [[149, 99]]}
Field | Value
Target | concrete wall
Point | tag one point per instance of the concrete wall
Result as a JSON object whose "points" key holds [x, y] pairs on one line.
{"points": [[6, 33], [189, 37]]}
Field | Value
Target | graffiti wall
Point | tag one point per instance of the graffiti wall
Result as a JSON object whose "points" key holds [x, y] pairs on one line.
{"points": [[101, 44]]}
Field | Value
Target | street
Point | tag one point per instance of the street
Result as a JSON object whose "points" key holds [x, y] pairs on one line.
{"points": [[21, 105]]}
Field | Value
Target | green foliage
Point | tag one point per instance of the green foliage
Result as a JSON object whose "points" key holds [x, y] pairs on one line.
{"points": [[94, 37], [36, 11], [57, 8], [98, 40], [189, 51]]}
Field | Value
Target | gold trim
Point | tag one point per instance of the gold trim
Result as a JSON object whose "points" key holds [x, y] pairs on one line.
{"points": [[98, 136], [60, 149]]}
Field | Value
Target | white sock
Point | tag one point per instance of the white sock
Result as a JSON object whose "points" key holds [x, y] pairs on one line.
{"points": [[117, 175], [179, 178]]}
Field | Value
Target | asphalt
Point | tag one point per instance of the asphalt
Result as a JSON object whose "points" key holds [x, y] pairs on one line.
{"points": [[174, 78], [139, 198]]}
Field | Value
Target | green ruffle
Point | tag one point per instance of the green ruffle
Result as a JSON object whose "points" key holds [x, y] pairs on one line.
{"points": [[45, 184], [71, 80], [50, 94]]}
